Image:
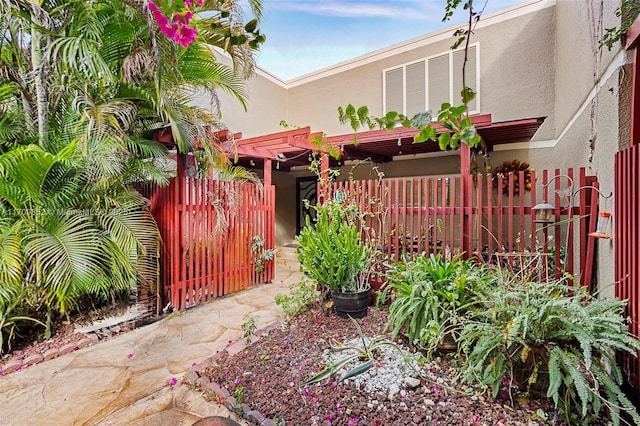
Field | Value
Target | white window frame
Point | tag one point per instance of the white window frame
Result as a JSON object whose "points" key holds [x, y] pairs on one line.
{"points": [[453, 98]]}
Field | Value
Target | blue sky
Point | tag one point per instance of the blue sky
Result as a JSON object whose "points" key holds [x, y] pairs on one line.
{"points": [[307, 35]]}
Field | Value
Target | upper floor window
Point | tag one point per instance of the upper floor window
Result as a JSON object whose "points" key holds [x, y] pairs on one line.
{"points": [[428, 83]]}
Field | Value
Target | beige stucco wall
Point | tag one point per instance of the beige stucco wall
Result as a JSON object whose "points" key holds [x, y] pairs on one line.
{"points": [[266, 105], [513, 53]]}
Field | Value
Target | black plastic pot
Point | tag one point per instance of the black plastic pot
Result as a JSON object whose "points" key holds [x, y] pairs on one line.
{"points": [[352, 305]]}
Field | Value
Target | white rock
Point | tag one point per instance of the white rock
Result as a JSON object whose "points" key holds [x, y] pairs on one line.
{"points": [[393, 391], [411, 383], [429, 402]]}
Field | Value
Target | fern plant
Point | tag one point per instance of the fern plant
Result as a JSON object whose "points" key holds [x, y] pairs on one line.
{"points": [[553, 339]]}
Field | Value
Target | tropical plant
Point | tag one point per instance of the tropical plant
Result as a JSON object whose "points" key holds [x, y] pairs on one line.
{"points": [[260, 254], [430, 295], [365, 354], [553, 339], [63, 237], [331, 251], [11, 300], [99, 73], [83, 87]]}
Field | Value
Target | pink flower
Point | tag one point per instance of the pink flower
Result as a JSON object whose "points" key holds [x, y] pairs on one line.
{"points": [[353, 420], [436, 389], [475, 418], [152, 6], [129, 356], [237, 381], [330, 417], [230, 342], [314, 399], [173, 381], [334, 384]]}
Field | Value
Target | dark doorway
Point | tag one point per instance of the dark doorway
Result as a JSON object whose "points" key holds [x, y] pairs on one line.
{"points": [[307, 189]]}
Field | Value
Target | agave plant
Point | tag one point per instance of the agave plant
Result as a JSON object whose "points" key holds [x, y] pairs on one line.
{"points": [[364, 354]]}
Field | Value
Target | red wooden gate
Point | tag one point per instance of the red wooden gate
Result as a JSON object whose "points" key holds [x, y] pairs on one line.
{"points": [[207, 228], [627, 245]]}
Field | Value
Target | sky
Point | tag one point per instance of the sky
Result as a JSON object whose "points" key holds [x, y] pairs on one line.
{"points": [[307, 35]]}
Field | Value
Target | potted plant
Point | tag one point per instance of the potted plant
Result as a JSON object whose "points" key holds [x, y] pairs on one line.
{"points": [[334, 255]]}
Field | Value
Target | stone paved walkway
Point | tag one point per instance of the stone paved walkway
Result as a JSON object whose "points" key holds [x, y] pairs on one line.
{"points": [[127, 379]]}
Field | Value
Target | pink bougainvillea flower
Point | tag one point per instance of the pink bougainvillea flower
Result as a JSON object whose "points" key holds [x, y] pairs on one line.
{"points": [[334, 384], [330, 417], [475, 418], [314, 399], [237, 381], [230, 342], [173, 381], [129, 356], [436, 389], [153, 7], [353, 420]]}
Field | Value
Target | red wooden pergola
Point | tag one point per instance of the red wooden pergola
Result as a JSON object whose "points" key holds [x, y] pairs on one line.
{"points": [[290, 148]]}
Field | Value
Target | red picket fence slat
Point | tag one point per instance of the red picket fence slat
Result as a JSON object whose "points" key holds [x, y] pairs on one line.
{"points": [[627, 246], [207, 228]]}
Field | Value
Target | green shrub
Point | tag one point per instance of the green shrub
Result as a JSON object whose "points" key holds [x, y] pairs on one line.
{"points": [[332, 252], [429, 297], [302, 295], [552, 339]]}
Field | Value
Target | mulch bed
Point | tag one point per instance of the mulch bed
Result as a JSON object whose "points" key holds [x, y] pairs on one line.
{"points": [[268, 377]]}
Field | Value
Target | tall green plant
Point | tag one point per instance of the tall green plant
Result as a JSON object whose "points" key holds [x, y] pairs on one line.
{"points": [[98, 73], [430, 294], [332, 252], [555, 339], [11, 303]]}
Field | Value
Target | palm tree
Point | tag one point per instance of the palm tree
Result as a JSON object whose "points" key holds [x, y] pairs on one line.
{"points": [[77, 59], [83, 85], [64, 237]]}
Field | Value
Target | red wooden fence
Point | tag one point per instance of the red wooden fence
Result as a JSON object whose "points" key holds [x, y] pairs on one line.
{"points": [[207, 228], [627, 245], [469, 214]]}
